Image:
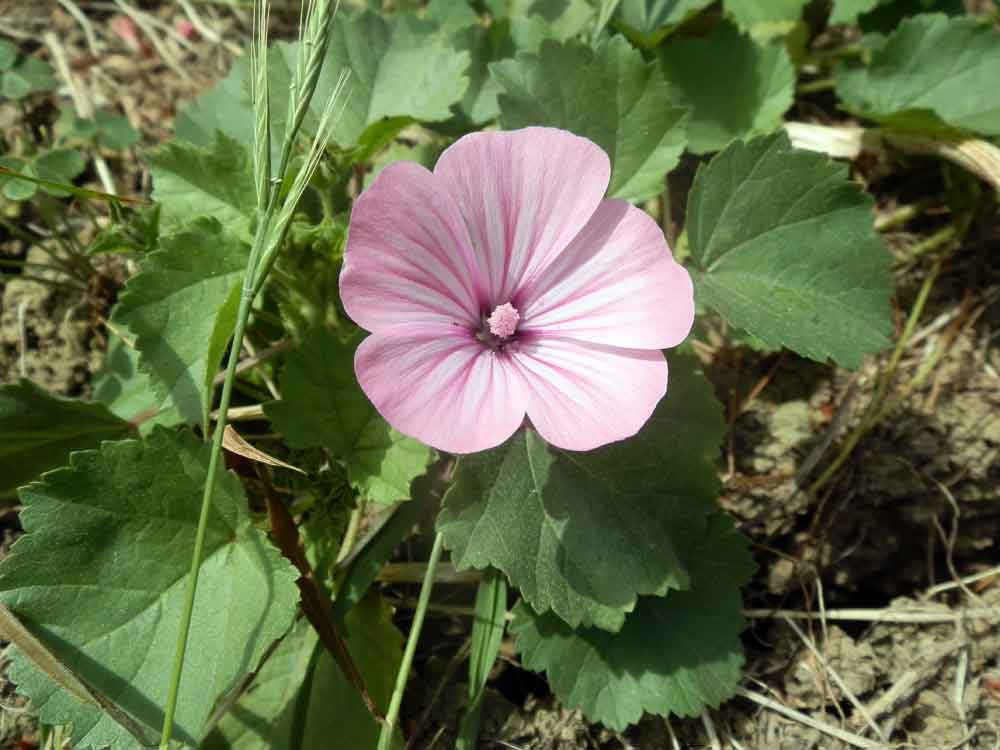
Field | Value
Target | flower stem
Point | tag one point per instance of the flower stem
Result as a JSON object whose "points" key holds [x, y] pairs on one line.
{"points": [[242, 316], [392, 715]]}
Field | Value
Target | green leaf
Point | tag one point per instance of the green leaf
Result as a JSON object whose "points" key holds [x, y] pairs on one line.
{"points": [[402, 70], [648, 22], [224, 108], [848, 11], [114, 131], [933, 72], [734, 86], [122, 387], [765, 18], [488, 626], [451, 16], [15, 188], [30, 76], [322, 405], [8, 54], [101, 574], [182, 308], [59, 165], [301, 699], [133, 230], [485, 45], [533, 21], [784, 247], [585, 534], [608, 94], [38, 431], [677, 654], [189, 182]]}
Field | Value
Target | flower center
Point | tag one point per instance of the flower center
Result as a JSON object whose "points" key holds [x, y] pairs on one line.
{"points": [[503, 321]]}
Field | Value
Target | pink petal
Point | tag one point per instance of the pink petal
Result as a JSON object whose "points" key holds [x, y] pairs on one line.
{"points": [[408, 256], [438, 384], [581, 395], [615, 284], [524, 195]]}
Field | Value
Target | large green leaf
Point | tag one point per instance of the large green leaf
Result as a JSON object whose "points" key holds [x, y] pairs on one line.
{"points": [[765, 18], [734, 86], [224, 108], [584, 534], [38, 431], [933, 72], [126, 391], [784, 248], [301, 699], [677, 654], [402, 70], [485, 45], [608, 94], [100, 578], [648, 22], [182, 308], [848, 11], [191, 181], [322, 405]]}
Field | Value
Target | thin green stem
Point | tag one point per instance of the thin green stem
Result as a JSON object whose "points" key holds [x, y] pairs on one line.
{"points": [[206, 503], [392, 715]]}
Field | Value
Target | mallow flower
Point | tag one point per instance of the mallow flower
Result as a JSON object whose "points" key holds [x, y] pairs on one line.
{"points": [[503, 285]]}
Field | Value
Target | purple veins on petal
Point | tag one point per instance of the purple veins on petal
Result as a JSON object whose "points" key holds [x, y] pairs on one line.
{"points": [[503, 285]]}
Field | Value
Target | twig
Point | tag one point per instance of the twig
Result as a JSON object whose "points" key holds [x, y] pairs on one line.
{"points": [[88, 28], [791, 713], [205, 30], [877, 615], [836, 677], [674, 742], [910, 681], [961, 582], [315, 601], [713, 736], [268, 382], [22, 328], [260, 357], [81, 101], [414, 573], [981, 158], [241, 413], [144, 23], [832, 431]]}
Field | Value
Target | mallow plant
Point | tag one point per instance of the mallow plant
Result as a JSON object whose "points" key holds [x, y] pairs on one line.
{"points": [[409, 267]]}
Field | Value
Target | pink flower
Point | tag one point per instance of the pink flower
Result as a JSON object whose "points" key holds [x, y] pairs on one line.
{"points": [[504, 284]]}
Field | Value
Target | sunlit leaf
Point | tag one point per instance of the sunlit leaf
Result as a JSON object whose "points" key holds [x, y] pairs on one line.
{"points": [[322, 405], [784, 248], [586, 534], [181, 306], [608, 94], [100, 578], [734, 86], [933, 72], [39, 430], [677, 654]]}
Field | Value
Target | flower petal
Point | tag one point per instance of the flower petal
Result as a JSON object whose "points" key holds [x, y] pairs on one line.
{"points": [[409, 257], [615, 284], [438, 384], [581, 396], [524, 195]]}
